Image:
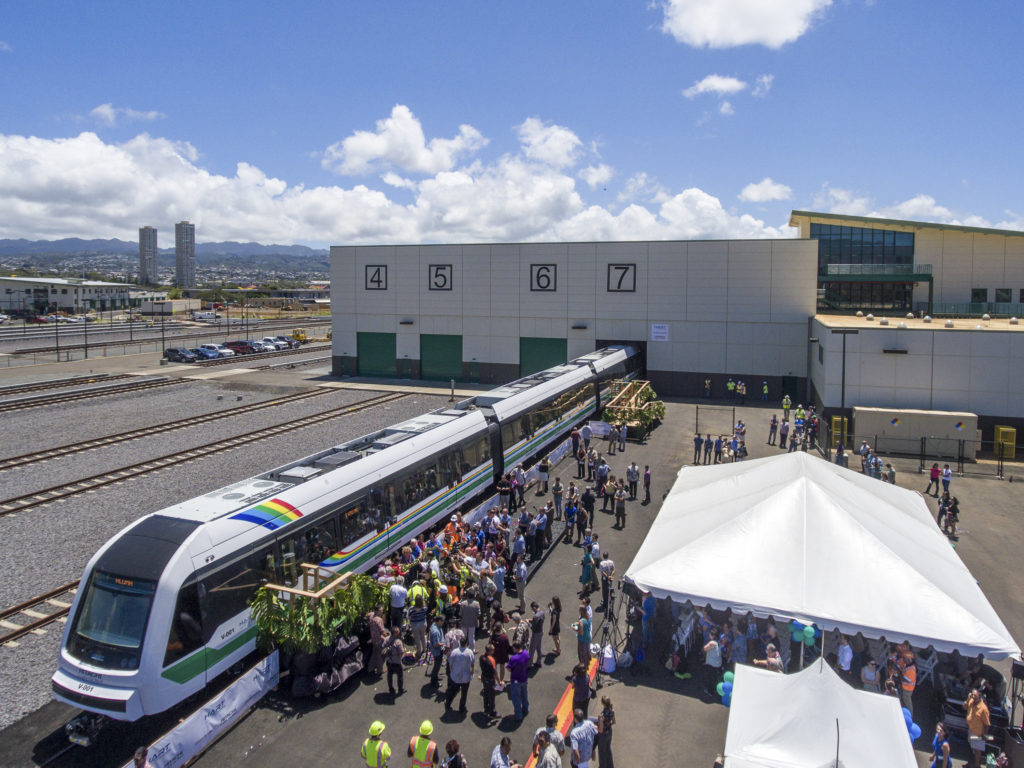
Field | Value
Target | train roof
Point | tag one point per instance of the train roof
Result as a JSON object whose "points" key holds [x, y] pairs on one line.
{"points": [[421, 431]]}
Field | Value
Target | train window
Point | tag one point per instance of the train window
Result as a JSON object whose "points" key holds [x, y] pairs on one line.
{"points": [[449, 466], [475, 453], [312, 545], [186, 626], [381, 505], [226, 592], [356, 522]]}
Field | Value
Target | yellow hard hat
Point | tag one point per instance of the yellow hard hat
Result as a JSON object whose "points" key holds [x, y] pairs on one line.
{"points": [[426, 728], [376, 728]]}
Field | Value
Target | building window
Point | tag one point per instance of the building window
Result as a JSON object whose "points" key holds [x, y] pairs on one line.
{"points": [[979, 295], [1004, 295]]}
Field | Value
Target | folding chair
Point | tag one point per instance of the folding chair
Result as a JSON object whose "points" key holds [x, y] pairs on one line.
{"points": [[926, 667]]}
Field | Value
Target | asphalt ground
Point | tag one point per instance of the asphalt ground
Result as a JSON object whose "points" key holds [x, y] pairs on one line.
{"points": [[661, 720]]}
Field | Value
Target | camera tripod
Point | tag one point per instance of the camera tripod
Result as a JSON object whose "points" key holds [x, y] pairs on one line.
{"points": [[610, 634]]}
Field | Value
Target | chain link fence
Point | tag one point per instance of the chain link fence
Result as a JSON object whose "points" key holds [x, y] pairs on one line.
{"points": [[964, 456]]}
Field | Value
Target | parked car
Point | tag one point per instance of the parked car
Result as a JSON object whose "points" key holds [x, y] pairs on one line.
{"points": [[240, 347], [179, 355], [292, 343], [37, 320], [261, 346], [3, 318], [275, 342], [204, 354], [219, 349]]}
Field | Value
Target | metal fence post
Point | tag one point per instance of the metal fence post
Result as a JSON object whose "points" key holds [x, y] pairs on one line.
{"points": [[696, 419], [920, 466], [999, 460], [960, 458]]}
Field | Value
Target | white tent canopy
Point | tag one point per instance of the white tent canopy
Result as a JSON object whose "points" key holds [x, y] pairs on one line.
{"points": [[793, 536], [806, 719]]}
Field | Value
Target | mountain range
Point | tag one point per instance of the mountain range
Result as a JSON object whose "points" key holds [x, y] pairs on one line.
{"points": [[78, 246]]}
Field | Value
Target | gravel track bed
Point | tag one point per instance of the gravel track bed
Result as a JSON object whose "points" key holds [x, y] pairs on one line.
{"points": [[36, 477], [25, 673], [77, 527], [40, 428]]}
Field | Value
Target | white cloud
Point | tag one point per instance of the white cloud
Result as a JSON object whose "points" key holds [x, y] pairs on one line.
{"points": [[764, 84], [108, 114], [719, 85], [596, 175], [83, 186], [725, 108], [398, 141], [765, 191], [553, 145], [920, 207], [5, 47], [729, 23]]}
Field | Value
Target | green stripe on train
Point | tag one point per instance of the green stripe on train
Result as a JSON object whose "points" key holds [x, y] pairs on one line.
{"points": [[199, 662]]}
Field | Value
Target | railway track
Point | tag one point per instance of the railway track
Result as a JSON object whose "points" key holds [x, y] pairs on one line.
{"points": [[67, 490], [135, 434], [21, 389], [32, 615], [68, 397]]}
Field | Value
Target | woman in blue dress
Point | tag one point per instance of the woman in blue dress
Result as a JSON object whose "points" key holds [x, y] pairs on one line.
{"points": [[588, 572], [940, 748]]}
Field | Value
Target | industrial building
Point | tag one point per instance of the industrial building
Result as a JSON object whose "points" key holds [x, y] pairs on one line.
{"points": [[37, 295], [774, 311]]}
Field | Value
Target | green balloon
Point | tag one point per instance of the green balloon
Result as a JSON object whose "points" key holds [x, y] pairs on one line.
{"points": [[809, 641], [721, 689], [728, 677], [809, 632]]}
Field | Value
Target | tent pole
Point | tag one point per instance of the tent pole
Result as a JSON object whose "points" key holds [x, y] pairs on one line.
{"points": [[837, 742]]}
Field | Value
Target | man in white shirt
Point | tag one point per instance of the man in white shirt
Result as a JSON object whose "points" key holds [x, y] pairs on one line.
{"points": [[845, 658], [555, 738], [582, 738], [398, 597]]}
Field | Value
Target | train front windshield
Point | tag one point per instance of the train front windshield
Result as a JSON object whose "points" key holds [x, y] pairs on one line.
{"points": [[111, 621]]}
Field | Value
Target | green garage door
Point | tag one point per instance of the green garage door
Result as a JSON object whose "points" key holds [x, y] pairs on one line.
{"points": [[538, 354], [376, 353], [440, 357]]}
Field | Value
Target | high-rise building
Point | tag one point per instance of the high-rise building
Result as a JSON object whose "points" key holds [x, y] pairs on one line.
{"points": [[185, 254], [147, 255]]}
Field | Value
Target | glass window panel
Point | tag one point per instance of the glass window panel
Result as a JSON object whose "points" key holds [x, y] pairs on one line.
{"points": [[979, 295], [1004, 295]]}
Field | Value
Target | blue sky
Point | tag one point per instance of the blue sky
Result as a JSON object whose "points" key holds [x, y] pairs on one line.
{"points": [[359, 122]]}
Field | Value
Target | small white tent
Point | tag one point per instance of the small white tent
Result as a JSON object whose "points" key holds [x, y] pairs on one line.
{"points": [[805, 720], [793, 536]]}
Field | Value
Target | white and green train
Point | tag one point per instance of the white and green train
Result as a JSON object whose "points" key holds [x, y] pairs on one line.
{"points": [[163, 607]]}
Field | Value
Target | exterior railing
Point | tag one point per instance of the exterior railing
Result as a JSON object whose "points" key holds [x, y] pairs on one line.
{"points": [[972, 309], [878, 269]]}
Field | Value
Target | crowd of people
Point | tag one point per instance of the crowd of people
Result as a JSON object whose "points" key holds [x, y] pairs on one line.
{"points": [[457, 604]]}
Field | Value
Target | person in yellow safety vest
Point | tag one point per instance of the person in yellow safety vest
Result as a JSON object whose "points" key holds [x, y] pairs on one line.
{"points": [[730, 387], [418, 589], [422, 750], [376, 751]]}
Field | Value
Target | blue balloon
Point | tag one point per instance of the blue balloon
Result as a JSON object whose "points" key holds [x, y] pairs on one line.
{"points": [[796, 626], [909, 718], [817, 633], [915, 731], [727, 688], [727, 699]]}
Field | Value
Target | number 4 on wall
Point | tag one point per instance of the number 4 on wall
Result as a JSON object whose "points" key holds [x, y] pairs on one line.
{"points": [[376, 277]]}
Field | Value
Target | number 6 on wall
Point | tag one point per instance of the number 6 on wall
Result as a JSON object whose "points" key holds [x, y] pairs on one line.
{"points": [[543, 277]]}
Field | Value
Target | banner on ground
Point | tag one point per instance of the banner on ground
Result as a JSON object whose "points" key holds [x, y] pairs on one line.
{"points": [[214, 718]]}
